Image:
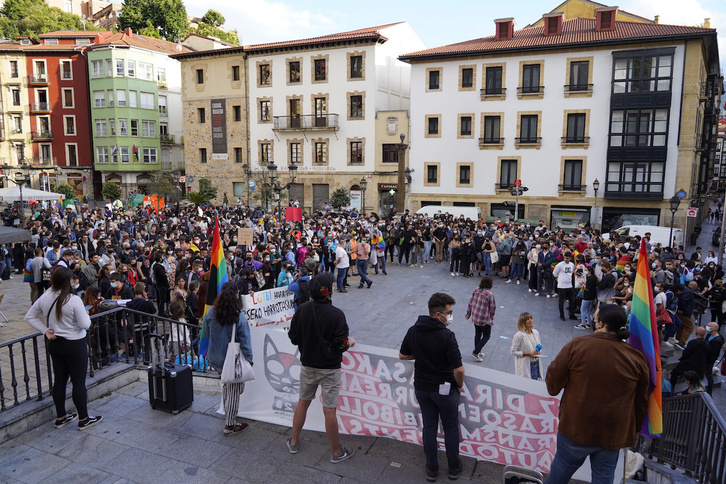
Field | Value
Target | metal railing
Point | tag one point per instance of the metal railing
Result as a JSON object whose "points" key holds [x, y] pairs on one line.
{"points": [[166, 139], [42, 134], [576, 139], [491, 141], [307, 121], [530, 89], [493, 91], [38, 79], [578, 87], [693, 438], [528, 140], [39, 107], [568, 187], [143, 339]]}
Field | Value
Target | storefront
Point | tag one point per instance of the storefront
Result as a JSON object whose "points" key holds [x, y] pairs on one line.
{"points": [[506, 210], [614, 217], [567, 218], [387, 198]]}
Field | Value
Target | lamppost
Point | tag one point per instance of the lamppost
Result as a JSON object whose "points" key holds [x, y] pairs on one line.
{"points": [[363, 186], [596, 187], [272, 169], [246, 168], [401, 187], [674, 202], [407, 172], [20, 180]]}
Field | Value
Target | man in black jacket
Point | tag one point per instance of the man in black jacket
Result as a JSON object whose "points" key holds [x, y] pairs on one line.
{"points": [[320, 331], [686, 304], [438, 380], [693, 358], [715, 343], [143, 326]]}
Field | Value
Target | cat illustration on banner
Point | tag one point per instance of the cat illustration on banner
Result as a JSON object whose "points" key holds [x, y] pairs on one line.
{"points": [[282, 371]]}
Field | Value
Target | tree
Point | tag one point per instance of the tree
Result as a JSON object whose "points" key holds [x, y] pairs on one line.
{"points": [[34, 17], [166, 19], [160, 185], [66, 190], [340, 198], [208, 30], [111, 191], [213, 18], [208, 191]]}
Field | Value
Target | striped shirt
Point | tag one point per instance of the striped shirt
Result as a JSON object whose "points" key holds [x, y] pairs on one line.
{"points": [[482, 307]]}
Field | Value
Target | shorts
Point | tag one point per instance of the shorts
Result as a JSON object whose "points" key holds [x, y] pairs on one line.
{"points": [[328, 379]]}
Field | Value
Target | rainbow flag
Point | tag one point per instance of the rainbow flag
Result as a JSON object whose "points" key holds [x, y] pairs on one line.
{"points": [[217, 277], [59, 203], [644, 337]]}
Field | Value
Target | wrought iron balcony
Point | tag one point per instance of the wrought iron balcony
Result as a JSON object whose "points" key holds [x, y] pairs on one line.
{"points": [[163, 111], [572, 188], [42, 134], [578, 87], [38, 79], [306, 122], [40, 107], [576, 139], [504, 186], [491, 141], [528, 140], [530, 89], [494, 91], [45, 160], [166, 139]]}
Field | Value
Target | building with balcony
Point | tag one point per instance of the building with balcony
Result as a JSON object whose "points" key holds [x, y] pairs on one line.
{"points": [[603, 118], [310, 103], [14, 119], [136, 116]]}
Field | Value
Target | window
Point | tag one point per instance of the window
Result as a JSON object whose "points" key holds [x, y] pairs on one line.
{"points": [[165, 157], [492, 129], [83, 41], [573, 175], [121, 98], [99, 99], [530, 78], [265, 110], [71, 155], [102, 154], [109, 68], [467, 77], [202, 155], [14, 69], [148, 129], [464, 175], [643, 73], [147, 100], [162, 106], [133, 96], [493, 80], [434, 80], [237, 113], [50, 41], [265, 153], [96, 69], [321, 73], [124, 150], [295, 75], [238, 155], [101, 127], [134, 123], [200, 76], [465, 126], [68, 97], [161, 74], [201, 115], [163, 129], [528, 129], [356, 67], [238, 189], [579, 75], [356, 106], [119, 67], [150, 155], [575, 128], [131, 68], [69, 123], [639, 127], [265, 79], [508, 174], [146, 71], [17, 124], [356, 151], [320, 152], [432, 173], [15, 94], [390, 153], [235, 73], [112, 127], [641, 178], [123, 127], [433, 126], [295, 152]]}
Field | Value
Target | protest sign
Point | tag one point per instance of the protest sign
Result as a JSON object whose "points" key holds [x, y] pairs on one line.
{"points": [[273, 307], [245, 236]]}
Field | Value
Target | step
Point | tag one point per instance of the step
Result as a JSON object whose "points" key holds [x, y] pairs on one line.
{"points": [[657, 473]]}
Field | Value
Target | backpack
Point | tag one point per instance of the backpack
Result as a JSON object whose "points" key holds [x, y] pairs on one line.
{"points": [[304, 291], [669, 278], [153, 276]]}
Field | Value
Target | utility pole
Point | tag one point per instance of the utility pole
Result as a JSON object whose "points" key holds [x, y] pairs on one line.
{"points": [[517, 190]]}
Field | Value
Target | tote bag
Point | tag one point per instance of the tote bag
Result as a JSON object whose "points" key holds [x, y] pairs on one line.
{"points": [[236, 368]]}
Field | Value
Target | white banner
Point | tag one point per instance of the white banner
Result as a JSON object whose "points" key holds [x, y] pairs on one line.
{"points": [[273, 307]]}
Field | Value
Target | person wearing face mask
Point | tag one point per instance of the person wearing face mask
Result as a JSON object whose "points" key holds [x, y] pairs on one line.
{"points": [[481, 309], [438, 380], [716, 296]]}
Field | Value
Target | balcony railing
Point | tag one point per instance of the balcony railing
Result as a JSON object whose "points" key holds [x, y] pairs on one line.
{"points": [[491, 141], [504, 186], [166, 139], [42, 134], [572, 188], [528, 140], [308, 121], [530, 89], [494, 91], [45, 160], [39, 107], [576, 139], [578, 87], [163, 111], [38, 79]]}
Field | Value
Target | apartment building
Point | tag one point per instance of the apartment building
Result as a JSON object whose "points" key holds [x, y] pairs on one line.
{"points": [[602, 119], [310, 104]]}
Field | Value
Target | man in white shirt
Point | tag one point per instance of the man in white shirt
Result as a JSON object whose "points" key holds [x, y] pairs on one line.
{"points": [[563, 273], [342, 262]]}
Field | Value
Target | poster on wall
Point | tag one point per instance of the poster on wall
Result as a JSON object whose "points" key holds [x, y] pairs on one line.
{"points": [[355, 199], [219, 129]]}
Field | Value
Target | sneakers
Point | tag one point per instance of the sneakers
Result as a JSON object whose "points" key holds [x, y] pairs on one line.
{"points": [[548, 295], [672, 340], [536, 294], [360, 286], [573, 317], [509, 281], [370, 283], [345, 454], [452, 274], [89, 422], [61, 422], [235, 429], [343, 290], [554, 294], [518, 283], [431, 475], [420, 266], [292, 448], [582, 326], [667, 344], [478, 356], [454, 473], [530, 289]]}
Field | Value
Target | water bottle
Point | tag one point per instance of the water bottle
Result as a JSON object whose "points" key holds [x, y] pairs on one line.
{"points": [[538, 348]]}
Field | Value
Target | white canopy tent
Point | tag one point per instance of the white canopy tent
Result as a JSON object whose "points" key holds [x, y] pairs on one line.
{"points": [[12, 194]]}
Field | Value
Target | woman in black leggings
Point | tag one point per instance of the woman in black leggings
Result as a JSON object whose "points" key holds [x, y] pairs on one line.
{"points": [[65, 331]]}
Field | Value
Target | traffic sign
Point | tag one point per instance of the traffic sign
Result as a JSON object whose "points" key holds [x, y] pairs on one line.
{"points": [[182, 178], [517, 182], [191, 179], [252, 185], [681, 194], [692, 212]]}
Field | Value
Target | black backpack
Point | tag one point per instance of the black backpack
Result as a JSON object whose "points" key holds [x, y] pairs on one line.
{"points": [[304, 292]]}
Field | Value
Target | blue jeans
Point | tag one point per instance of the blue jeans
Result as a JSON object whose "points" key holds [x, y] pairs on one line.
{"points": [[427, 250], [570, 456], [434, 406], [382, 262], [517, 272], [585, 314], [341, 277], [487, 263], [362, 266]]}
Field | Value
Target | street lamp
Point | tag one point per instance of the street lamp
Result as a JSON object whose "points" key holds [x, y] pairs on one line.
{"points": [[407, 172], [363, 185], [674, 202], [272, 170], [596, 187], [401, 187], [20, 180], [246, 168]]}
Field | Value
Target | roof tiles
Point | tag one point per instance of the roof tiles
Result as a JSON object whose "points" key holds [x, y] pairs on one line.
{"points": [[370, 32]]}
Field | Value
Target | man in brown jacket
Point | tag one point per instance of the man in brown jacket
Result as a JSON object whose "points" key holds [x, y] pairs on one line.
{"points": [[605, 398]]}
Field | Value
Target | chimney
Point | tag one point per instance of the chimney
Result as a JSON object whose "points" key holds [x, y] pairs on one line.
{"points": [[707, 23], [505, 28], [657, 19], [129, 32], [553, 23], [605, 19]]}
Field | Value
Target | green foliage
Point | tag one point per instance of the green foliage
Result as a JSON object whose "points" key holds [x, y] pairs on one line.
{"points": [[166, 19], [160, 185], [33, 17], [340, 198], [195, 197], [111, 191], [208, 30], [208, 191], [66, 189], [213, 18]]}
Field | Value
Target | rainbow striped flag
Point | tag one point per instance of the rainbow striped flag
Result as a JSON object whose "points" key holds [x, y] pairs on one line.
{"points": [[59, 203], [217, 277], [644, 337]]}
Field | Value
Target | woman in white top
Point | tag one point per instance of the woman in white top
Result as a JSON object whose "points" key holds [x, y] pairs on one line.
{"points": [[65, 329], [524, 349]]}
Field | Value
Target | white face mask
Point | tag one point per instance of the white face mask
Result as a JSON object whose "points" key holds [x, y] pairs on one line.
{"points": [[449, 319]]}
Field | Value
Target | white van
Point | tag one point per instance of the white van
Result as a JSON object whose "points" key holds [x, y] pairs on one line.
{"points": [[657, 234], [473, 213]]}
